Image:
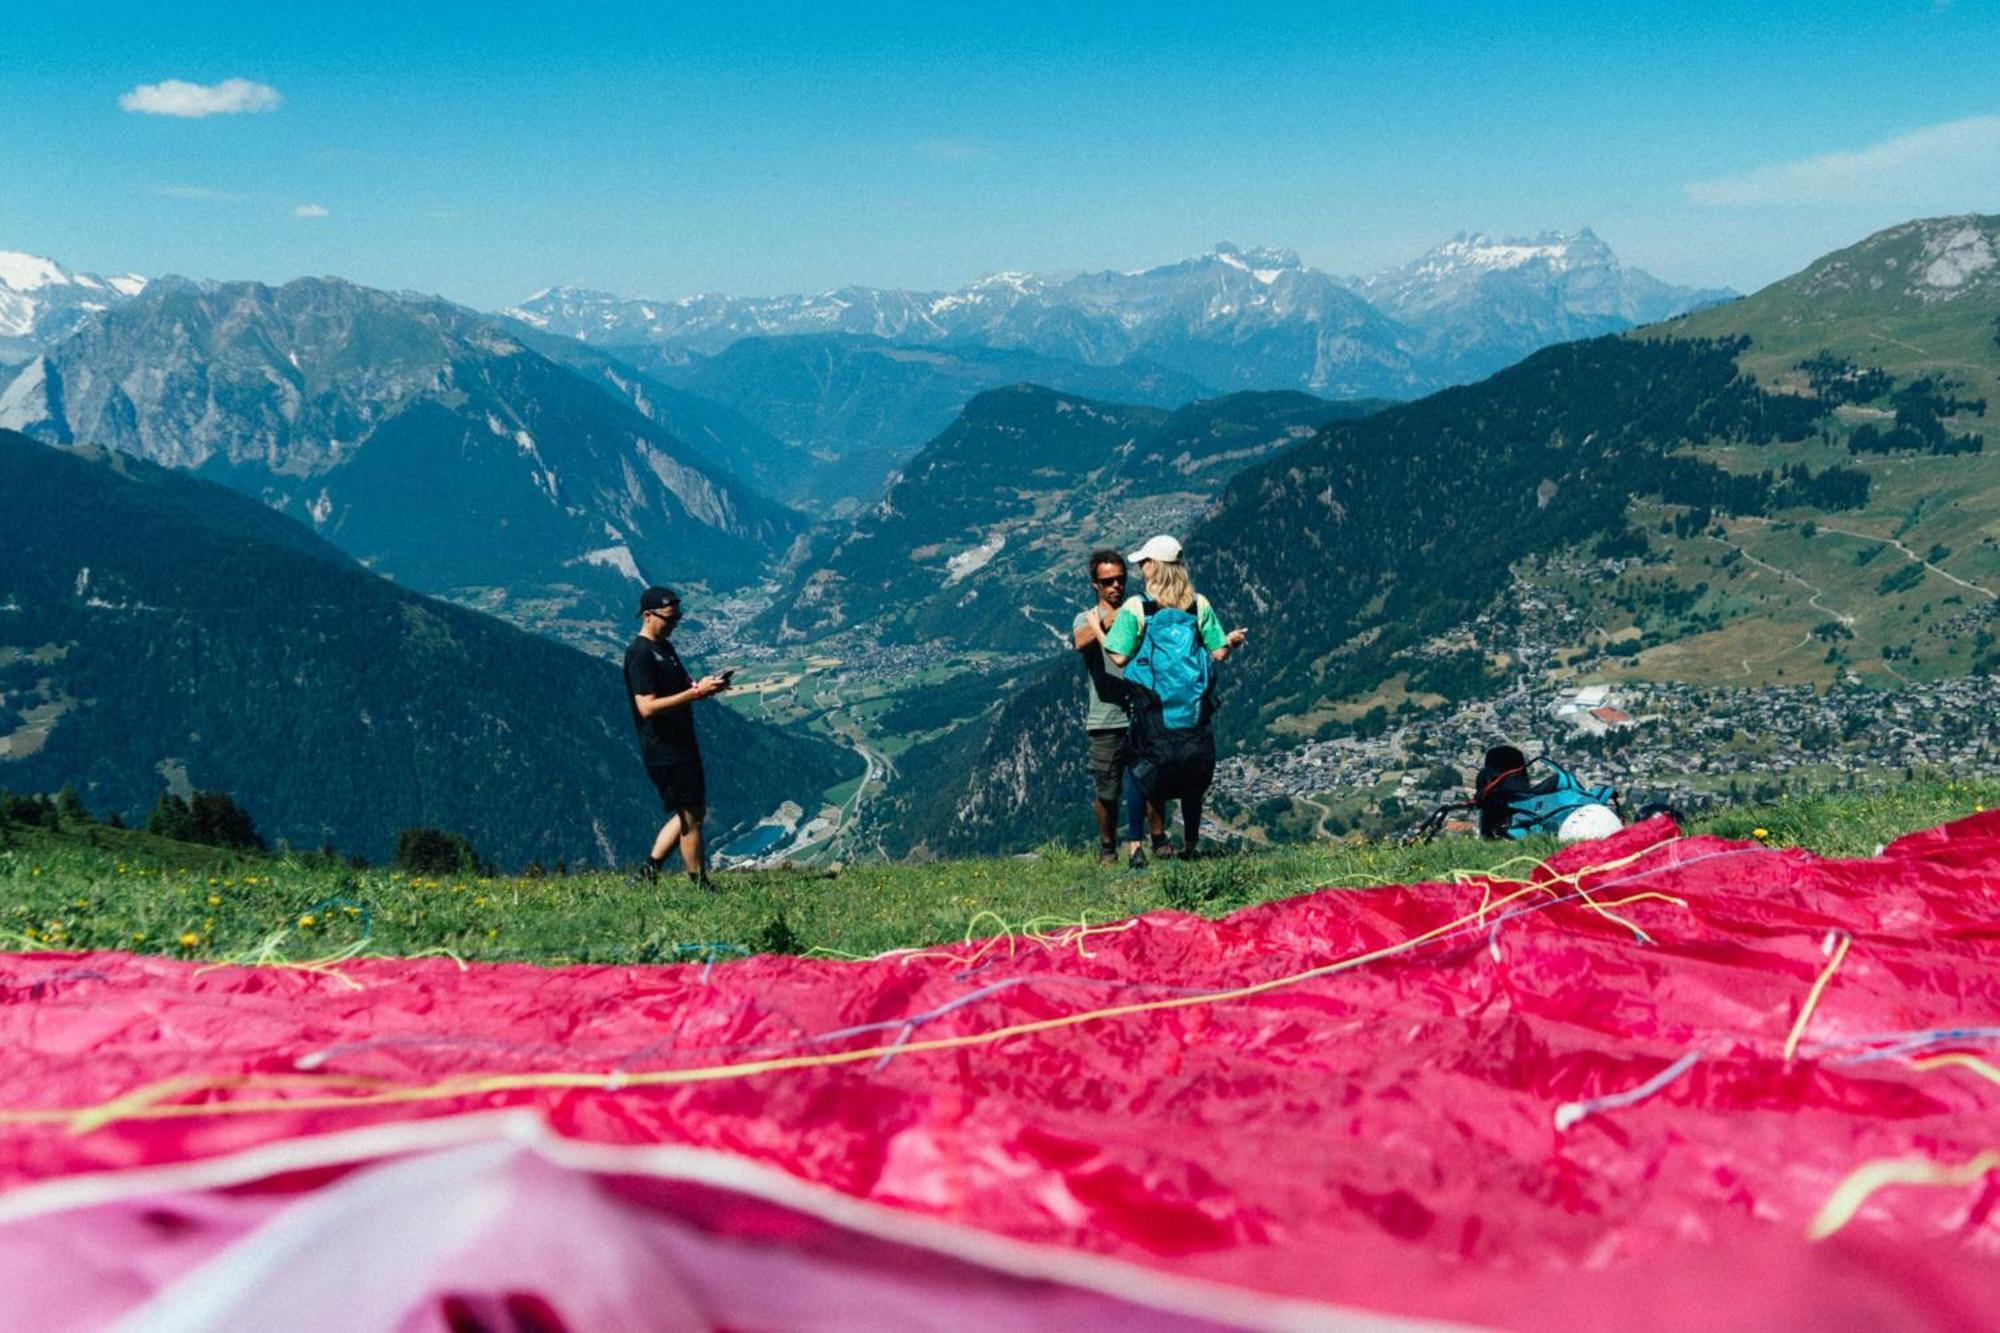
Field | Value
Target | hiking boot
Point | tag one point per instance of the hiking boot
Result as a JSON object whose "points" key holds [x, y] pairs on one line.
{"points": [[1107, 855], [643, 873], [1138, 858], [1163, 848], [703, 883], [1190, 854]]}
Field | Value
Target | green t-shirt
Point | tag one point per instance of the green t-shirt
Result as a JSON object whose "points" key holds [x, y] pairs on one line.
{"points": [[1123, 636]]}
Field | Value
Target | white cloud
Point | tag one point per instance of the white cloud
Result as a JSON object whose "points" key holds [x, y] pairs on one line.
{"points": [[1960, 158], [311, 211], [193, 100]]}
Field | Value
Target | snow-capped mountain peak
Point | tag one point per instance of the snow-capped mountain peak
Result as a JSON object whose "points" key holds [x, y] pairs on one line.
{"points": [[27, 273], [41, 300], [1477, 252], [1261, 262]]}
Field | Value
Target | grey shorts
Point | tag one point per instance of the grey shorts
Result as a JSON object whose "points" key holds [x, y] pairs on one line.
{"points": [[1107, 764]]}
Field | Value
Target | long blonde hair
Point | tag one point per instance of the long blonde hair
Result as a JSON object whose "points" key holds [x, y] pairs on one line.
{"points": [[1169, 585]]}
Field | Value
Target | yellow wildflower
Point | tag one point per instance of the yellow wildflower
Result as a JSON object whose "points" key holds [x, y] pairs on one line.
{"points": [[215, 900], [1760, 833], [189, 939], [306, 921]]}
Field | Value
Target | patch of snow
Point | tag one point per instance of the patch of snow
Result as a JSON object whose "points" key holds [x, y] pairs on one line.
{"points": [[83, 581], [966, 563], [320, 507], [615, 557], [496, 425], [525, 441], [128, 284], [1267, 276], [1479, 251]]}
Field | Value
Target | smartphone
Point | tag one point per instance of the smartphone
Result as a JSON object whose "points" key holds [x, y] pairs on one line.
{"points": [[728, 675]]}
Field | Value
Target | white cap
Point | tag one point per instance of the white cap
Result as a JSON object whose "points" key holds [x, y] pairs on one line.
{"points": [[1161, 547]]}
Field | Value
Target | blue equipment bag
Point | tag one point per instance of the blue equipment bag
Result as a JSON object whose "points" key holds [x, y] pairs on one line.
{"points": [[1172, 684]]}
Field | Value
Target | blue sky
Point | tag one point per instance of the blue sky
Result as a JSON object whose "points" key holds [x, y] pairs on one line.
{"points": [[660, 150]]}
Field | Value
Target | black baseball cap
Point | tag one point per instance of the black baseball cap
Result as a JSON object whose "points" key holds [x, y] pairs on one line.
{"points": [[658, 599]]}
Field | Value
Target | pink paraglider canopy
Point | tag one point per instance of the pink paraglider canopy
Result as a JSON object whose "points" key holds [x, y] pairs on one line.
{"points": [[1661, 1081]]}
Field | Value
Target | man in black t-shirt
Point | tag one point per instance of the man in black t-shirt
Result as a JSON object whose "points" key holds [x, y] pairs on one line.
{"points": [[663, 696]]}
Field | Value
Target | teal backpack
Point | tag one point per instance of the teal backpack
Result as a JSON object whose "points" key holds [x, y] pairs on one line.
{"points": [[1172, 667]]}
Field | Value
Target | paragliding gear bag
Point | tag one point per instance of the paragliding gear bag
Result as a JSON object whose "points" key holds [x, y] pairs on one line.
{"points": [[1513, 803], [1171, 680]]}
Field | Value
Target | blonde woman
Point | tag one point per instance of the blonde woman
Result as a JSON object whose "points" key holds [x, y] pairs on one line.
{"points": [[1167, 643]]}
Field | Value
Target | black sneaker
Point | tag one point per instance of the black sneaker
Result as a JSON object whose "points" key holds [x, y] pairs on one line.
{"points": [[643, 873], [1163, 848], [1190, 854], [702, 882], [1138, 858], [1107, 854]]}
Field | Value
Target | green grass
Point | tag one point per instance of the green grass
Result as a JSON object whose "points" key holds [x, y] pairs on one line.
{"points": [[97, 888]]}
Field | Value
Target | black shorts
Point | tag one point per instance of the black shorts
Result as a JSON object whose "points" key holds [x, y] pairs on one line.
{"points": [[1107, 765], [682, 784]]}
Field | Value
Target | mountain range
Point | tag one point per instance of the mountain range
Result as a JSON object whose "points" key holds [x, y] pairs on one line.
{"points": [[851, 409], [1232, 318], [1793, 484], [416, 435], [158, 630]]}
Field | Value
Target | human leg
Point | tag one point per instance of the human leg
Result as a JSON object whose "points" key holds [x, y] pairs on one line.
{"points": [[1191, 824], [1136, 807], [694, 856], [666, 782], [664, 841], [1107, 776]]}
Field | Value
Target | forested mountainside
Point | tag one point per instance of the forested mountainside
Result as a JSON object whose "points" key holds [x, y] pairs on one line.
{"points": [[156, 629], [981, 539]]}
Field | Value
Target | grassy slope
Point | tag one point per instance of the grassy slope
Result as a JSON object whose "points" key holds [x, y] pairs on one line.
{"points": [[1922, 501], [96, 888]]}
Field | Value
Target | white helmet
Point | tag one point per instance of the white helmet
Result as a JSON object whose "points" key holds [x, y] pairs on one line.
{"points": [[1587, 823]]}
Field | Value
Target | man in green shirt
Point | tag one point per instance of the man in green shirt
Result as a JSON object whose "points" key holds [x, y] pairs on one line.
{"points": [[1104, 716]]}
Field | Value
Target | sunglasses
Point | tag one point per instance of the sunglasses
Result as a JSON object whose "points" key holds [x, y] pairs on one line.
{"points": [[1111, 582]]}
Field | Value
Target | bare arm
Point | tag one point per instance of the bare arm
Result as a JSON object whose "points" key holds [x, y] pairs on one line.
{"points": [[650, 705], [1091, 631], [1234, 640]]}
